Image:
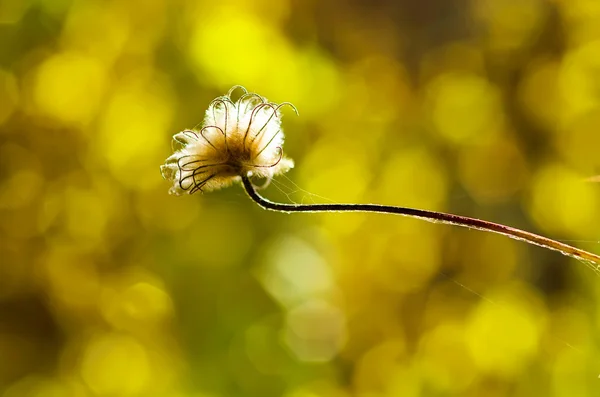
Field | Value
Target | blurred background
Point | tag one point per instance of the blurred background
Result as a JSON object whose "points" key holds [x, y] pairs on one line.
{"points": [[484, 108]]}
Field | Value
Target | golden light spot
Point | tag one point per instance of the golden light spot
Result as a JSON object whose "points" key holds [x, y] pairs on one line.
{"points": [[248, 41], [323, 78], [138, 306], [347, 170], [225, 36], [465, 107], [578, 82], [578, 142], [580, 18], [377, 366], [95, 29], [445, 360], [539, 94], [114, 364], [493, 172], [405, 380], [511, 24], [413, 178], [132, 131], [74, 100], [503, 333], [295, 272], [563, 203]]}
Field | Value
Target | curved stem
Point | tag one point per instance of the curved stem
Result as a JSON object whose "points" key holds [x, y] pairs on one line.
{"points": [[589, 259]]}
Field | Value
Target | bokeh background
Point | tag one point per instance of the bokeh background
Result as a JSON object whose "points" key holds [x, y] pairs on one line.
{"points": [[111, 287]]}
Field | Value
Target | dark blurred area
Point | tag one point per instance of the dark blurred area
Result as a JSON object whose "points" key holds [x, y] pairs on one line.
{"points": [[111, 287]]}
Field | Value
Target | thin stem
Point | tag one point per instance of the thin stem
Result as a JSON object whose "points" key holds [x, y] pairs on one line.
{"points": [[589, 259]]}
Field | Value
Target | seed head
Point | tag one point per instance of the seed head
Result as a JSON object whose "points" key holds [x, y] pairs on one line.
{"points": [[241, 138]]}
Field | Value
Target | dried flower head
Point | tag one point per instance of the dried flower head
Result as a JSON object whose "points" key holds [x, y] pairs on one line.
{"points": [[241, 138]]}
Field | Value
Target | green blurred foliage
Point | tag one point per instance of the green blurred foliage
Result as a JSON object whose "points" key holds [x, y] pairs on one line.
{"points": [[110, 287]]}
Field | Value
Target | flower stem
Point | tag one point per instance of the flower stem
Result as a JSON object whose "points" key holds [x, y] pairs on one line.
{"points": [[589, 259]]}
